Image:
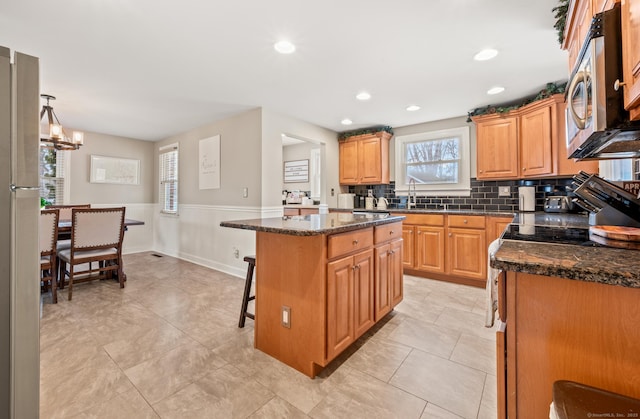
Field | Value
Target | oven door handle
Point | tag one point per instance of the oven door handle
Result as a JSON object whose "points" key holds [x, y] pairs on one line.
{"points": [[580, 76]]}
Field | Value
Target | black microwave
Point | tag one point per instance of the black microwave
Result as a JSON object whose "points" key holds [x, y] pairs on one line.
{"points": [[597, 125]]}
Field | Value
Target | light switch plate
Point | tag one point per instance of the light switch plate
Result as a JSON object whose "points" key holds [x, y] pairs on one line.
{"points": [[504, 191]]}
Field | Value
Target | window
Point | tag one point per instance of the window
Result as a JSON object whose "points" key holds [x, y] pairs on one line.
{"points": [[438, 162], [53, 167], [169, 179]]}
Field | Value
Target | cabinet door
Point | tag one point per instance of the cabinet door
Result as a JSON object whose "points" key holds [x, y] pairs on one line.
{"points": [[430, 248], [535, 142], [369, 160], [340, 331], [408, 243], [383, 281], [496, 226], [363, 296], [308, 211], [467, 253], [631, 56], [396, 286], [501, 370], [497, 148], [291, 211], [348, 162]]}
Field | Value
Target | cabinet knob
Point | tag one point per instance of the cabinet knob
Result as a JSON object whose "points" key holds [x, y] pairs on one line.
{"points": [[355, 242], [419, 232], [465, 221], [524, 168], [391, 232], [618, 84], [450, 234]]}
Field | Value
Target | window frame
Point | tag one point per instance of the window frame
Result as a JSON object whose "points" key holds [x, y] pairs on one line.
{"points": [[461, 188], [62, 175], [162, 178]]}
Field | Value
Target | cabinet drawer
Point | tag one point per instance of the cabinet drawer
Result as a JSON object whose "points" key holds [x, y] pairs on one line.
{"points": [[387, 232], [466, 221], [343, 243], [423, 219]]}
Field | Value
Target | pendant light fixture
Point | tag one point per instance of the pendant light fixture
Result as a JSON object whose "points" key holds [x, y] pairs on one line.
{"points": [[56, 137]]}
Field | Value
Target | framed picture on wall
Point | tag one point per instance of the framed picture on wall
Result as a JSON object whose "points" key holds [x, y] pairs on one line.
{"points": [[114, 170], [296, 171]]}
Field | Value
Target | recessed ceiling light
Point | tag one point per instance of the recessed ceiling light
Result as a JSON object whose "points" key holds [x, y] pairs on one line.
{"points": [[413, 108], [284, 47], [495, 90], [346, 121], [485, 54], [363, 96]]}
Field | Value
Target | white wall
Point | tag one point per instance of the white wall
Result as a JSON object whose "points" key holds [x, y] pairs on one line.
{"points": [[138, 199], [297, 152]]}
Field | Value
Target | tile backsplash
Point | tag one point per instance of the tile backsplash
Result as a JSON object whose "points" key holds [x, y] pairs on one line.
{"points": [[484, 195]]}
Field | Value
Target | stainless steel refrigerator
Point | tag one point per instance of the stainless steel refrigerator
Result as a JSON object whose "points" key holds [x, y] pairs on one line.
{"points": [[19, 253]]}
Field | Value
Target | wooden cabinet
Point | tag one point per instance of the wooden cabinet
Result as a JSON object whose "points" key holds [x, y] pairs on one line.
{"points": [[350, 302], [495, 227], [467, 247], [388, 263], [449, 247], [288, 211], [529, 142], [631, 56], [558, 329], [364, 159], [578, 21], [497, 147], [536, 137]]}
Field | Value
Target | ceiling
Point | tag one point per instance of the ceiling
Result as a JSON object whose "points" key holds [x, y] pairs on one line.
{"points": [[151, 69]]}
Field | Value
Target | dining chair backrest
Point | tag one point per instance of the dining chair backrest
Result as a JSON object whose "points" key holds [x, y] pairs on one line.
{"points": [[96, 228], [48, 231], [65, 210]]}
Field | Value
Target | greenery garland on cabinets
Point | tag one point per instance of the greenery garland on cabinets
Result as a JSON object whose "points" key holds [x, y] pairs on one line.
{"points": [[561, 18], [372, 130], [550, 90]]}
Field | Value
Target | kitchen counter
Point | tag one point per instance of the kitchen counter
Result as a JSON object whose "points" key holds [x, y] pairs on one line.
{"points": [[425, 211], [314, 224], [603, 265]]}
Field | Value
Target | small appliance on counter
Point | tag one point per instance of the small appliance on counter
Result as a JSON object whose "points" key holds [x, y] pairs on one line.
{"points": [[295, 197], [607, 203], [346, 200], [557, 204]]}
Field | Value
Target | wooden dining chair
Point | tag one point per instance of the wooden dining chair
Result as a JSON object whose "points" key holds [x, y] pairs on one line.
{"points": [[64, 239], [48, 237], [96, 236]]}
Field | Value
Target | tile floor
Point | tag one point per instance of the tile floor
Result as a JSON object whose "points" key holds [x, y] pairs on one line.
{"points": [[168, 346]]}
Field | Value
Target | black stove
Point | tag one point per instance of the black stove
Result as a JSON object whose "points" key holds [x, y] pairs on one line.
{"points": [[548, 234]]}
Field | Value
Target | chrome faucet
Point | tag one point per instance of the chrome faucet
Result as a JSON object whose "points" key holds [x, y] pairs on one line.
{"points": [[410, 204]]}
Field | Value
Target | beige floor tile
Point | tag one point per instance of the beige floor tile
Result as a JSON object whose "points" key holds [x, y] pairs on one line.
{"points": [[488, 406], [379, 358], [239, 352], [451, 386], [465, 322], [423, 309], [145, 345], [434, 412], [475, 352], [360, 396], [129, 404], [426, 337], [278, 408], [223, 393], [162, 376], [70, 392]]}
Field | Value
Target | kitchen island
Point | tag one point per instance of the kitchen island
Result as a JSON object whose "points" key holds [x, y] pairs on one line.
{"points": [[321, 282], [567, 312]]}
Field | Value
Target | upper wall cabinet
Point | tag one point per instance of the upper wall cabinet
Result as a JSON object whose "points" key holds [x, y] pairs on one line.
{"points": [[631, 56], [364, 159], [526, 143]]}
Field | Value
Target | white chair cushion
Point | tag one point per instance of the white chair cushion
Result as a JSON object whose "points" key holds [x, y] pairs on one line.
{"points": [[47, 228], [63, 244], [66, 254]]}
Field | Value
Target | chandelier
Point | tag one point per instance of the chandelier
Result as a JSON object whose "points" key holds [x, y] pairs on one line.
{"points": [[57, 138]]}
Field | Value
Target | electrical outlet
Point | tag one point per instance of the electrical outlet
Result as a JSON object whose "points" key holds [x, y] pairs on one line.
{"points": [[504, 191], [286, 317], [236, 252], [245, 192]]}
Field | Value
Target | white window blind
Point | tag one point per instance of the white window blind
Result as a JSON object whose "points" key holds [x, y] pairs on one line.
{"points": [[169, 179], [52, 175]]}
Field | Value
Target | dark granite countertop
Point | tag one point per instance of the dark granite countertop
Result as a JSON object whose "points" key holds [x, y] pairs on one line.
{"points": [[427, 211], [314, 224], [604, 265]]}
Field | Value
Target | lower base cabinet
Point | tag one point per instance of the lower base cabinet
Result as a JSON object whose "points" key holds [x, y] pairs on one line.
{"points": [[564, 329], [388, 278], [350, 300]]}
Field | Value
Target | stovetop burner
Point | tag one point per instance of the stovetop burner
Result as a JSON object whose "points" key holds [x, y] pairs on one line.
{"points": [[546, 234]]}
